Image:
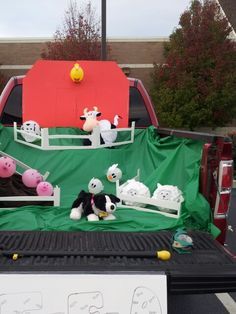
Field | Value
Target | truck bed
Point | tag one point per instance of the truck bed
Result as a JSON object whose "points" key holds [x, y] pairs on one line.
{"points": [[48, 241], [205, 269]]}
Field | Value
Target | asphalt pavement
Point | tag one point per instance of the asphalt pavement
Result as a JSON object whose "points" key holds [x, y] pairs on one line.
{"points": [[209, 303]]}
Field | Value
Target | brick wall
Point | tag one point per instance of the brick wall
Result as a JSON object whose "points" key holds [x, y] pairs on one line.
{"points": [[134, 52], [136, 56], [20, 53]]}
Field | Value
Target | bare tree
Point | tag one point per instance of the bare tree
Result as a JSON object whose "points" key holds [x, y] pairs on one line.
{"points": [[79, 36]]}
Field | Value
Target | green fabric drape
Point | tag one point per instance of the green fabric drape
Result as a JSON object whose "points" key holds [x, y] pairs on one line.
{"points": [[168, 160]]}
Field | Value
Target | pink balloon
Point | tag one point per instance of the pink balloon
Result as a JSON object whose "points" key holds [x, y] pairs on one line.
{"points": [[31, 178], [7, 167], [44, 188]]}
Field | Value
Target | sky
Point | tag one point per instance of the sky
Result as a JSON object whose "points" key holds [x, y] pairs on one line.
{"points": [[125, 18]]}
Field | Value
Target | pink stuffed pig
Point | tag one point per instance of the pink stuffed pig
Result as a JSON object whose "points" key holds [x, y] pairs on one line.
{"points": [[7, 167], [44, 188], [31, 178]]}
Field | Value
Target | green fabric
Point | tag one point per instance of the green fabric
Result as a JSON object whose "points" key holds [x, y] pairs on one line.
{"points": [[169, 160]]}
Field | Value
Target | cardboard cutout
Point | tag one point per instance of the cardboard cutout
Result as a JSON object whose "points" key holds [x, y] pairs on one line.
{"points": [[51, 98]]}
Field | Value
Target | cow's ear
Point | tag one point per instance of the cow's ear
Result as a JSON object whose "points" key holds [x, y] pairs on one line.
{"points": [[82, 118], [98, 114]]}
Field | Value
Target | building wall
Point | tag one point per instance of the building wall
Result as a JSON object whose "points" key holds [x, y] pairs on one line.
{"points": [[137, 52], [17, 53], [135, 56]]}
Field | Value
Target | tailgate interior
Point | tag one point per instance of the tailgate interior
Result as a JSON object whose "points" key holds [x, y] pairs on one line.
{"points": [[205, 269]]}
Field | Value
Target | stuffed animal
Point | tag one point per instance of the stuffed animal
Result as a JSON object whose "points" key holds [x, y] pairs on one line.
{"points": [[168, 192], [31, 178], [76, 73], [91, 121], [32, 128], [94, 207], [7, 167], [95, 186], [134, 188], [44, 188], [114, 173]]}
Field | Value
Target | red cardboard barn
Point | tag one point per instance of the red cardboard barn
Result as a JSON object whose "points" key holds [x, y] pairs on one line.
{"points": [[52, 99]]}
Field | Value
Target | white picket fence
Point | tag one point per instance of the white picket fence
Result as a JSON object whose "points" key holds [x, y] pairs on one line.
{"points": [[164, 207], [55, 198], [43, 140]]}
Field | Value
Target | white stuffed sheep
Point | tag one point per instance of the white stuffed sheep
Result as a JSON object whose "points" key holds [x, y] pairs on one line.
{"points": [[134, 188], [168, 193]]}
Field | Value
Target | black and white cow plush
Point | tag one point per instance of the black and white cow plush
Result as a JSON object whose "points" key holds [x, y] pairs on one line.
{"points": [[90, 122], [94, 207]]}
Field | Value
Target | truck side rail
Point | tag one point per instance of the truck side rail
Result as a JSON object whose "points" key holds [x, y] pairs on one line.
{"points": [[205, 137]]}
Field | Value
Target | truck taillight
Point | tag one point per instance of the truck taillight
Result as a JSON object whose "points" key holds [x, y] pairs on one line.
{"points": [[224, 188]]}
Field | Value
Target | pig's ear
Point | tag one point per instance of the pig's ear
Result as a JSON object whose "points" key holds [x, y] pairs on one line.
{"points": [[98, 114], [82, 118]]}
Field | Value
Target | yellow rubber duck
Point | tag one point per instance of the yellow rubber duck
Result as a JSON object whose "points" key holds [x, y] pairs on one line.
{"points": [[76, 73]]}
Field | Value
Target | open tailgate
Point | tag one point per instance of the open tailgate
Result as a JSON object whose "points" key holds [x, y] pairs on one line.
{"points": [[208, 268]]}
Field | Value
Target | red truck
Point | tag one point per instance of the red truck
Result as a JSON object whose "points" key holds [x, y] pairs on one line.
{"points": [[211, 268]]}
